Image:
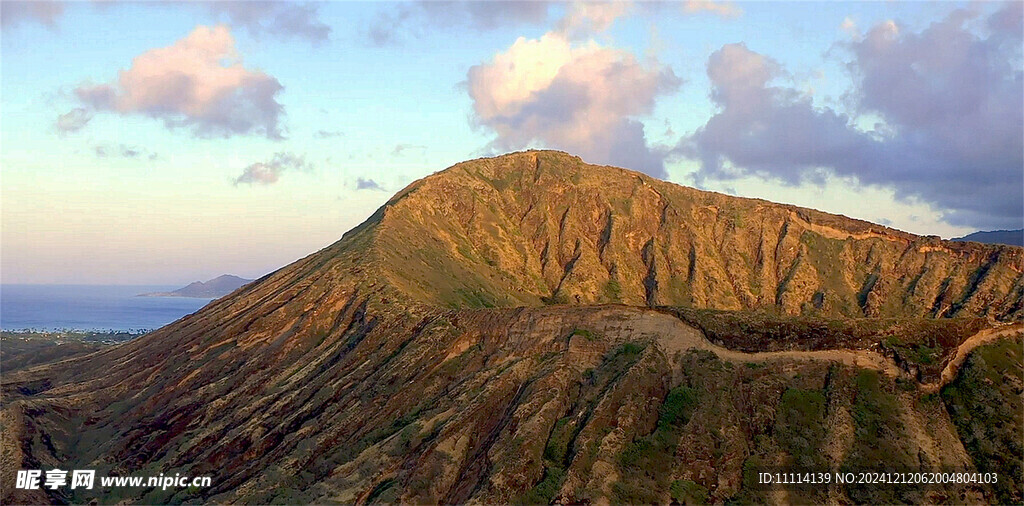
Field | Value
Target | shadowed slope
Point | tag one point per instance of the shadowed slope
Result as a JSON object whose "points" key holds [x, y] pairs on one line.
{"points": [[543, 226], [363, 373]]}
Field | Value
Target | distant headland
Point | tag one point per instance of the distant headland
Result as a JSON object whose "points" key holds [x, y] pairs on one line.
{"points": [[216, 287]]}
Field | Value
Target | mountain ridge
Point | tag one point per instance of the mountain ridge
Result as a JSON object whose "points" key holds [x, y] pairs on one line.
{"points": [[539, 226], [1008, 237], [392, 367], [213, 288]]}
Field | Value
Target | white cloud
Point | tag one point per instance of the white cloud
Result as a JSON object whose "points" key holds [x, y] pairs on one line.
{"points": [[582, 98], [74, 120], [849, 27], [198, 82]]}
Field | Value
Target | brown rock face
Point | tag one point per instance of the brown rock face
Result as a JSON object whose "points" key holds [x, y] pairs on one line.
{"points": [[543, 226], [375, 370]]}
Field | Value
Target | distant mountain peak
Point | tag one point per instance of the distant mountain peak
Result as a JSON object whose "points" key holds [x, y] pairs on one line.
{"points": [[1008, 237], [214, 288]]}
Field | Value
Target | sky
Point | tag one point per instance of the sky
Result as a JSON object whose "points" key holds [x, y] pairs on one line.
{"points": [[167, 142]]}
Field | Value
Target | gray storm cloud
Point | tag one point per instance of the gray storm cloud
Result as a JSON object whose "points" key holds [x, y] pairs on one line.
{"points": [[368, 184], [277, 18], [412, 18], [951, 101], [16, 12]]}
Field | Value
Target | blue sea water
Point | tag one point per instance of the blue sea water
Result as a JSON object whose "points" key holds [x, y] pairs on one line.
{"points": [[91, 307]]}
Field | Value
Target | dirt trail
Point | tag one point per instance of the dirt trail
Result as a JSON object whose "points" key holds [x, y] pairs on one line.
{"points": [[675, 336], [858, 358], [964, 350]]}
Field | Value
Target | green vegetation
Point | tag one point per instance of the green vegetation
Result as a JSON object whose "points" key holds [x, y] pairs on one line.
{"points": [[475, 298], [678, 408], [584, 333], [627, 351], [821, 254], [555, 299], [613, 291], [589, 375], [646, 462], [985, 404], [23, 349], [556, 453], [107, 337], [874, 408], [558, 443], [386, 492], [880, 441], [800, 427], [922, 353], [543, 492], [558, 450], [688, 492]]}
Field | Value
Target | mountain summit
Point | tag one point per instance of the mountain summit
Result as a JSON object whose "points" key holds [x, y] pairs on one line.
{"points": [[542, 227], [500, 332]]}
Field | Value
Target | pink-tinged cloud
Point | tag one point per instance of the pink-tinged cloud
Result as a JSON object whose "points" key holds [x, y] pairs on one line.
{"points": [[723, 9], [583, 19], [199, 83], [269, 172], [580, 98]]}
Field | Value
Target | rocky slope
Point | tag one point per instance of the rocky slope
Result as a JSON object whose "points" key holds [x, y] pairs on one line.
{"points": [[372, 371], [537, 227]]}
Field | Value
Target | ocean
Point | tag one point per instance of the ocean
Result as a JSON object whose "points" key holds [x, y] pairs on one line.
{"points": [[91, 307]]}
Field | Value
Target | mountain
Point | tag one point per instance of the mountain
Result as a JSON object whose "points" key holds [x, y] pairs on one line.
{"points": [[544, 227], [1010, 237], [216, 287], [530, 328]]}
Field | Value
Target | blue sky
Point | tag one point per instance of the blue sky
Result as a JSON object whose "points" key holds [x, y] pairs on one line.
{"points": [[297, 120]]}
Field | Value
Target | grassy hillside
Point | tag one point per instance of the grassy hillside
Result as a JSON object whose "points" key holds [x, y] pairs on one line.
{"points": [[449, 350], [543, 227], [985, 402]]}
